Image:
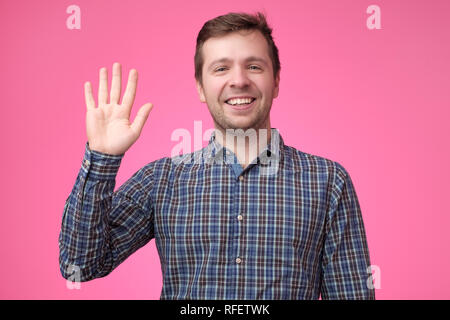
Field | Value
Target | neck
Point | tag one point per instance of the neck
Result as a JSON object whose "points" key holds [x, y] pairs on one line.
{"points": [[245, 144]]}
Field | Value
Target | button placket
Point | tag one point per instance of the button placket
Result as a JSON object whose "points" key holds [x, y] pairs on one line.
{"points": [[240, 227]]}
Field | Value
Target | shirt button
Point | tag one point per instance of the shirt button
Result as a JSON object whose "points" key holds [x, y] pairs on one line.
{"points": [[240, 217], [86, 162], [241, 178], [238, 260]]}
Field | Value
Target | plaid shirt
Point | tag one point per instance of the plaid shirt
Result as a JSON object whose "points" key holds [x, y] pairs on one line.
{"points": [[223, 232]]}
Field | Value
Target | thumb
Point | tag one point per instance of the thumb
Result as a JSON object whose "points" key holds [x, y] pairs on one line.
{"points": [[141, 117]]}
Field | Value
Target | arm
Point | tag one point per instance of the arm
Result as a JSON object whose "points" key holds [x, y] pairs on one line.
{"points": [[101, 228], [345, 254]]}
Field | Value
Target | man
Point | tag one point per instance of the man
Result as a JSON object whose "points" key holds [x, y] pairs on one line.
{"points": [[230, 221]]}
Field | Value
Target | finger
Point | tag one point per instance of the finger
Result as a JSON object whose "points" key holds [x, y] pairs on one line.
{"points": [[103, 87], [130, 91], [116, 83], [141, 118], [90, 102]]}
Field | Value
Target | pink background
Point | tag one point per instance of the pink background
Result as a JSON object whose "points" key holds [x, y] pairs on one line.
{"points": [[377, 101]]}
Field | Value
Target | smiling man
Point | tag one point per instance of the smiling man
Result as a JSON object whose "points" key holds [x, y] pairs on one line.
{"points": [[225, 226], [237, 79]]}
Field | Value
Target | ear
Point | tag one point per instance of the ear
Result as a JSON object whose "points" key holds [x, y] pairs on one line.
{"points": [[276, 88], [201, 93]]}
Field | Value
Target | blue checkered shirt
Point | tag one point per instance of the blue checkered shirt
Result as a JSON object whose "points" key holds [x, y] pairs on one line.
{"points": [[288, 226]]}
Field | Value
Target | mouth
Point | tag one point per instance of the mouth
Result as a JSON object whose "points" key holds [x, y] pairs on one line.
{"points": [[240, 104]]}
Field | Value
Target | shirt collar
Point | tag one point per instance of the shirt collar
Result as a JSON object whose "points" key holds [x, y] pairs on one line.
{"points": [[271, 152]]}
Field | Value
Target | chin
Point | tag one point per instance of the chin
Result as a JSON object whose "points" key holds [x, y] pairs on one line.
{"points": [[242, 125]]}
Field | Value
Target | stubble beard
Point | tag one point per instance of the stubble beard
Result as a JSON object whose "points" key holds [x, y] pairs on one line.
{"points": [[223, 122]]}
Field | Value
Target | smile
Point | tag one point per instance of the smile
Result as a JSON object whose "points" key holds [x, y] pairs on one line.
{"points": [[240, 104]]}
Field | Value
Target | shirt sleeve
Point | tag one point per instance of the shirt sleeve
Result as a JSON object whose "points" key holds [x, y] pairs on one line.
{"points": [[345, 263], [101, 228]]}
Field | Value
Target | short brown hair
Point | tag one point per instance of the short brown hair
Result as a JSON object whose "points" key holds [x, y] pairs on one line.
{"points": [[231, 22]]}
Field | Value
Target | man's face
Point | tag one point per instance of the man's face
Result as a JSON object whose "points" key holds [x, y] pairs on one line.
{"points": [[238, 65]]}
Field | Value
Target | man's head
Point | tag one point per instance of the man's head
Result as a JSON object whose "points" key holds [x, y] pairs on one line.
{"points": [[236, 57]]}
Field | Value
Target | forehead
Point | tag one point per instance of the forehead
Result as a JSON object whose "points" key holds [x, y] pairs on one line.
{"points": [[236, 45]]}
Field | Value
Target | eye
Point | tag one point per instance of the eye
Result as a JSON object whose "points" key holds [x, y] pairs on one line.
{"points": [[255, 67], [219, 69]]}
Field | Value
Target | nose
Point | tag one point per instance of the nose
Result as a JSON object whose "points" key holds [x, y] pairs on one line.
{"points": [[239, 78]]}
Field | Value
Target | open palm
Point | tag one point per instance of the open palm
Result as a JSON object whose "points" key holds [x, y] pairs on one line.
{"points": [[108, 126]]}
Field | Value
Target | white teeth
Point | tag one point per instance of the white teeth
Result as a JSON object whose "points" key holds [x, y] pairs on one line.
{"points": [[239, 101]]}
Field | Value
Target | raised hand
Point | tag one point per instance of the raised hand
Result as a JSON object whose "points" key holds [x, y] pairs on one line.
{"points": [[108, 126]]}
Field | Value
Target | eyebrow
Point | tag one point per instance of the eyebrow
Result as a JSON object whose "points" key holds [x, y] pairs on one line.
{"points": [[251, 58]]}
